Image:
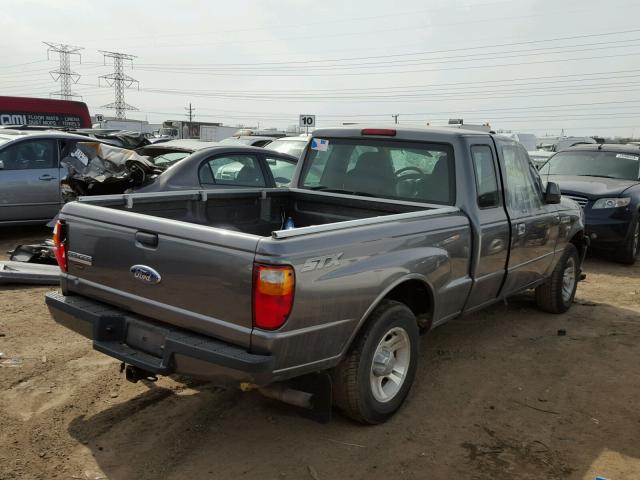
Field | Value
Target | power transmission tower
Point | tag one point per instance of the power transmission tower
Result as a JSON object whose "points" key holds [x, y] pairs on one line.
{"points": [[119, 81], [64, 73]]}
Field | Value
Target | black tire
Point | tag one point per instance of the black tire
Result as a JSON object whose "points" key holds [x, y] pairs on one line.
{"points": [[631, 249], [352, 386], [549, 295]]}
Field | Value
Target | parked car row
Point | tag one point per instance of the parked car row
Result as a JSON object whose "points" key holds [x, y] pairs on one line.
{"points": [[603, 179], [36, 165]]}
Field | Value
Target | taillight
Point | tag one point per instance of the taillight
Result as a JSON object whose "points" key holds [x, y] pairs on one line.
{"points": [[273, 288], [384, 132], [60, 244]]}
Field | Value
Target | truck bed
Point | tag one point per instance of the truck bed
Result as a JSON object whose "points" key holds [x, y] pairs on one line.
{"points": [[255, 212]]}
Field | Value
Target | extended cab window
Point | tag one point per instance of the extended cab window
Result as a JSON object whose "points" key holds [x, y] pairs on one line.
{"points": [[238, 170], [486, 180], [30, 154], [412, 171]]}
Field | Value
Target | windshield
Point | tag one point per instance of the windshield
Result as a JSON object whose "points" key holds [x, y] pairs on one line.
{"points": [[624, 166], [417, 172], [237, 141], [170, 132], [166, 159], [288, 146]]}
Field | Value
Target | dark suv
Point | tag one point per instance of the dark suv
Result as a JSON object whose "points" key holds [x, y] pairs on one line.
{"points": [[605, 180]]}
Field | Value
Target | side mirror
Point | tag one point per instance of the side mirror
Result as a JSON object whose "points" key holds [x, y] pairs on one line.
{"points": [[1, 165], [553, 194]]}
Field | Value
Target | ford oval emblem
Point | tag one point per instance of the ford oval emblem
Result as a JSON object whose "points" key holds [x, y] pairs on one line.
{"points": [[145, 274]]}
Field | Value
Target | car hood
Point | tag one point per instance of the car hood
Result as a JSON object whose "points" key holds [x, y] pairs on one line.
{"points": [[591, 186]]}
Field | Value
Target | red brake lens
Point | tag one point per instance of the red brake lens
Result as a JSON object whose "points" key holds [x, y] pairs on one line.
{"points": [[385, 132], [60, 244], [273, 288]]}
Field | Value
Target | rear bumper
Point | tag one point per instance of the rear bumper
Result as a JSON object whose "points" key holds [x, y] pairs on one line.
{"points": [[157, 348]]}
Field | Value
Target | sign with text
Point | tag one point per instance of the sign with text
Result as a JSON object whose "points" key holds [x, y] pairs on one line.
{"points": [[40, 119], [307, 120]]}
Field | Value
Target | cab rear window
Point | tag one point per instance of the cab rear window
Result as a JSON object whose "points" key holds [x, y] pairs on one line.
{"points": [[411, 171]]}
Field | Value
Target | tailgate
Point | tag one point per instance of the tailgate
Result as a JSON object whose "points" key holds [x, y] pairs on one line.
{"points": [[187, 275]]}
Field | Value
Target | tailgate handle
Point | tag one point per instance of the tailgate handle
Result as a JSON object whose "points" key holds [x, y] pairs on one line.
{"points": [[147, 239]]}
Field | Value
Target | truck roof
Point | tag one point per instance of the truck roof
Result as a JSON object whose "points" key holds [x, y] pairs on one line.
{"points": [[402, 132], [605, 147]]}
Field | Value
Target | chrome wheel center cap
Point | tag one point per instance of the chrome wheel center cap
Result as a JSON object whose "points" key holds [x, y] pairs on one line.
{"points": [[383, 363]]}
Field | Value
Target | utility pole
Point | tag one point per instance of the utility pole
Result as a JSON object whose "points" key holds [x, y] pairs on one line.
{"points": [[64, 73], [395, 118], [119, 81], [190, 111]]}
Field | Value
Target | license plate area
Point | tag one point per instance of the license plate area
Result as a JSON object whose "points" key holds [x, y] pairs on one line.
{"points": [[147, 338]]}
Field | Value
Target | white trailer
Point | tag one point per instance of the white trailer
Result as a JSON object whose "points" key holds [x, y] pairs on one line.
{"points": [[141, 126], [215, 133]]}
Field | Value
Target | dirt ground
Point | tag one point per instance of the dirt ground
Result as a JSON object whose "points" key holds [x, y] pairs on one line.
{"points": [[499, 395]]}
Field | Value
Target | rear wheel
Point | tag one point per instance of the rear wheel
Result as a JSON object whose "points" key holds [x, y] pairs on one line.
{"points": [[631, 249], [375, 377], [556, 295]]}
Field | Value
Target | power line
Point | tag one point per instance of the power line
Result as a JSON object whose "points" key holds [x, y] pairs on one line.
{"points": [[377, 32], [547, 108], [415, 93], [577, 77], [64, 72], [120, 81], [439, 97], [23, 64], [428, 117], [466, 67], [559, 50], [421, 53]]}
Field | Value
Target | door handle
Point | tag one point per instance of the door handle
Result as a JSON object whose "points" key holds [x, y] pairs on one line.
{"points": [[46, 178], [147, 239], [521, 228]]}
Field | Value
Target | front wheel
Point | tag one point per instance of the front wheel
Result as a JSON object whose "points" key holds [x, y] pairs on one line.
{"points": [[630, 251], [557, 293], [374, 379]]}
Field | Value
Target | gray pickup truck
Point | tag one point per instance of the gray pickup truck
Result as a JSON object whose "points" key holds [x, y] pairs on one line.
{"points": [[395, 231]]}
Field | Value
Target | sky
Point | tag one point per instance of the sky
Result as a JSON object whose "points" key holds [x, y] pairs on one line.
{"points": [[535, 66]]}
